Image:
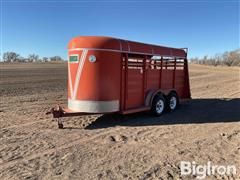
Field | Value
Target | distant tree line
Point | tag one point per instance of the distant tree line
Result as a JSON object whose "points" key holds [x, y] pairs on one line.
{"points": [[231, 58], [15, 57]]}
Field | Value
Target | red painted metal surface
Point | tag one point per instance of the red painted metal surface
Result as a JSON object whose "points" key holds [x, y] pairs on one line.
{"points": [[122, 75]]}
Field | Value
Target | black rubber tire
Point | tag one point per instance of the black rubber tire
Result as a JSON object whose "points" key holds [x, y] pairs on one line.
{"points": [[154, 105], [172, 94]]}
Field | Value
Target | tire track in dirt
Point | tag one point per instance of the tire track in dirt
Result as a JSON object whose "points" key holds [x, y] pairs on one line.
{"points": [[31, 133], [233, 94], [42, 118], [65, 146], [23, 125]]}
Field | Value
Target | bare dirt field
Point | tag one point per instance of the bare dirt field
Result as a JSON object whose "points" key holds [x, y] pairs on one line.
{"points": [[137, 146]]}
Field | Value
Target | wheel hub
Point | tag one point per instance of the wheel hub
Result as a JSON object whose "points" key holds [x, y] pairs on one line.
{"points": [[160, 106], [173, 102]]}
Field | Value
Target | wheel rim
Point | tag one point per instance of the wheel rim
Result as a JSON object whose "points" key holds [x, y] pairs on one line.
{"points": [[173, 102], [160, 106]]}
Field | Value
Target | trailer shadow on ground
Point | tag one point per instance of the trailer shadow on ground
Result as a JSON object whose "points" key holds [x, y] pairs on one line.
{"points": [[190, 112]]}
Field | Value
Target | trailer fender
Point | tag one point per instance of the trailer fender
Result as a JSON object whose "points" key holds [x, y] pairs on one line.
{"points": [[151, 94], [148, 99]]}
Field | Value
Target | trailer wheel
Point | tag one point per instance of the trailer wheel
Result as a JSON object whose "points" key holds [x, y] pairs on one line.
{"points": [[172, 101], [158, 105]]}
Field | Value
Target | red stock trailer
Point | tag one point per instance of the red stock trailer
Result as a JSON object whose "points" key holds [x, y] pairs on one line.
{"points": [[111, 75]]}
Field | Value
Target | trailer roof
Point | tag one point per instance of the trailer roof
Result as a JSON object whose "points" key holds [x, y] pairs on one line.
{"points": [[115, 44]]}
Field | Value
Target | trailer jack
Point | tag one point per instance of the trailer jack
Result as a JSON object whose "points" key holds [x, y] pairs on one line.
{"points": [[60, 123], [57, 112]]}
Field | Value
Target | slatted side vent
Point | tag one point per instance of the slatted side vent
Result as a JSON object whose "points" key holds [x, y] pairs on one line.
{"points": [[153, 62], [165, 63]]}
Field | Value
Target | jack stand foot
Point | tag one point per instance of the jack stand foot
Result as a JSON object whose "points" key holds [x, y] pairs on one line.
{"points": [[60, 124]]}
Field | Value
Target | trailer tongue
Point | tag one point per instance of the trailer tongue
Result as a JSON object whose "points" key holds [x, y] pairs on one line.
{"points": [[60, 112]]}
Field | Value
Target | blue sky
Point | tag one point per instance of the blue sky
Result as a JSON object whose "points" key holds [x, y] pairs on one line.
{"points": [[45, 27]]}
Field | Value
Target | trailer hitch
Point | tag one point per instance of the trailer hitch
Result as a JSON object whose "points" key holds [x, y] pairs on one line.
{"points": [[57, 112]]}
